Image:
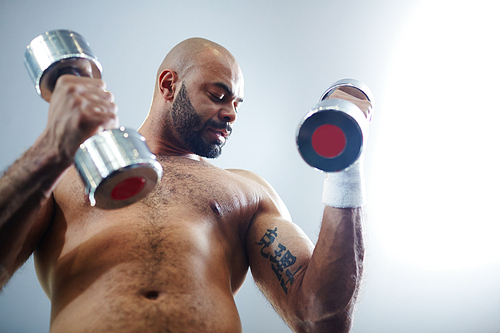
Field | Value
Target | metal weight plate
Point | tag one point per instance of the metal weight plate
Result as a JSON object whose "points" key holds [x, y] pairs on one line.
{"points": [[52, 47], [117, 168], [331, 136]]}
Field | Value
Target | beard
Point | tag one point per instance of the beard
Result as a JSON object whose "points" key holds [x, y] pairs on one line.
{"points": [[188, 125]]}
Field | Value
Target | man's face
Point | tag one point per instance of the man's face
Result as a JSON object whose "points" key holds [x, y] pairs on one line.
{"points": [[193, 132]]}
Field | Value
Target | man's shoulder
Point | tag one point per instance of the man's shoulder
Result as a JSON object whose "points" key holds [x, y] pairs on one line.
{"points": [[243, 173], [253, 178]]}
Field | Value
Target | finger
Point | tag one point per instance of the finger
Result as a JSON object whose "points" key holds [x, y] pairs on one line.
{"points": [[107, 95], [96, 95], [99, 100], [101, 106], [111, 123], [360, 100], [92, 119]]}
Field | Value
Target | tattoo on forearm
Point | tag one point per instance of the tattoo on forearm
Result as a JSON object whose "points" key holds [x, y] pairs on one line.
{"points": [[280, 261]]}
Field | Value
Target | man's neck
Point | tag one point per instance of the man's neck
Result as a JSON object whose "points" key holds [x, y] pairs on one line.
{"points": [[166, 148], [163, 146]]}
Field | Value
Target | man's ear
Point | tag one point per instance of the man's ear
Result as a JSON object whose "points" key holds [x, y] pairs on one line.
{"points": [[167, 82]]}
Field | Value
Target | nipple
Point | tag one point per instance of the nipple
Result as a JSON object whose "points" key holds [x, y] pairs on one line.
{"points": [[214, 205]]}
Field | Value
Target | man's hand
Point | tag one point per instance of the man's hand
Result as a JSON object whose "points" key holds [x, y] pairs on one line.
{"points": [[79, 108], [354, 96]]}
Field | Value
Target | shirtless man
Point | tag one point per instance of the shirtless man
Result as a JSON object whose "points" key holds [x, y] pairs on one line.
{"points": [[174, 261]]}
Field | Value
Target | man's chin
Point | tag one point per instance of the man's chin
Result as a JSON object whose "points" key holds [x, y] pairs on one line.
{"points": [[211, 150], [214, 152]]}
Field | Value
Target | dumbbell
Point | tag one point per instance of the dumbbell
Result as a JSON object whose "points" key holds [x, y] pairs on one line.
{"points": [[116, 166], [331, 136]]}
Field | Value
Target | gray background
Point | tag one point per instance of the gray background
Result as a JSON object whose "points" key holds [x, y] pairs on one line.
{"points": [[431, 163]]}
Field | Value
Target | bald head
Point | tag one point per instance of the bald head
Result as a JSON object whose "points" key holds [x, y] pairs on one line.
{"points": [[192, 53]]}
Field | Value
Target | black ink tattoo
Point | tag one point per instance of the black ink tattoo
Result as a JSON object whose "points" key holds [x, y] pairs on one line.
{"points": [[267, 240], [280, 261]]}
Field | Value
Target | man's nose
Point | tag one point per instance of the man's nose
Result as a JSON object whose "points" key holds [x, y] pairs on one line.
{"points": [[228, 114]]}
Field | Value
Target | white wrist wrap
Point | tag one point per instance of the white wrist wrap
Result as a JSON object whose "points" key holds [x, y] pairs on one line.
{"points": [[345, 189]]}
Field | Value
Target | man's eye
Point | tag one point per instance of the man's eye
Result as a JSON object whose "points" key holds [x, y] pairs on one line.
{"points": [[217, 97]]}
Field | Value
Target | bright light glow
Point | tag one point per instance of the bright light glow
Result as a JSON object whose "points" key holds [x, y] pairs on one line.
{"points": [[437, 149]]}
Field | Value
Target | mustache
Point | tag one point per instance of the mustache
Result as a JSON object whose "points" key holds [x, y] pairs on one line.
{"points": [[220, 125]]}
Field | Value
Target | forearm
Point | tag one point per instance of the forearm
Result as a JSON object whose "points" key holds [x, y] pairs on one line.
{"points": [[79, 107], [330, 284], [25, 189]]}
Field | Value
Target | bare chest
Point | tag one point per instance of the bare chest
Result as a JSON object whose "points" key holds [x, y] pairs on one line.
{"points": [[196, 211], [198, 188], [187, 188]]}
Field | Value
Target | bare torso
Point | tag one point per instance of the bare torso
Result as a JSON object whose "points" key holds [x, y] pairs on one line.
{"points": [[169, 263]]}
